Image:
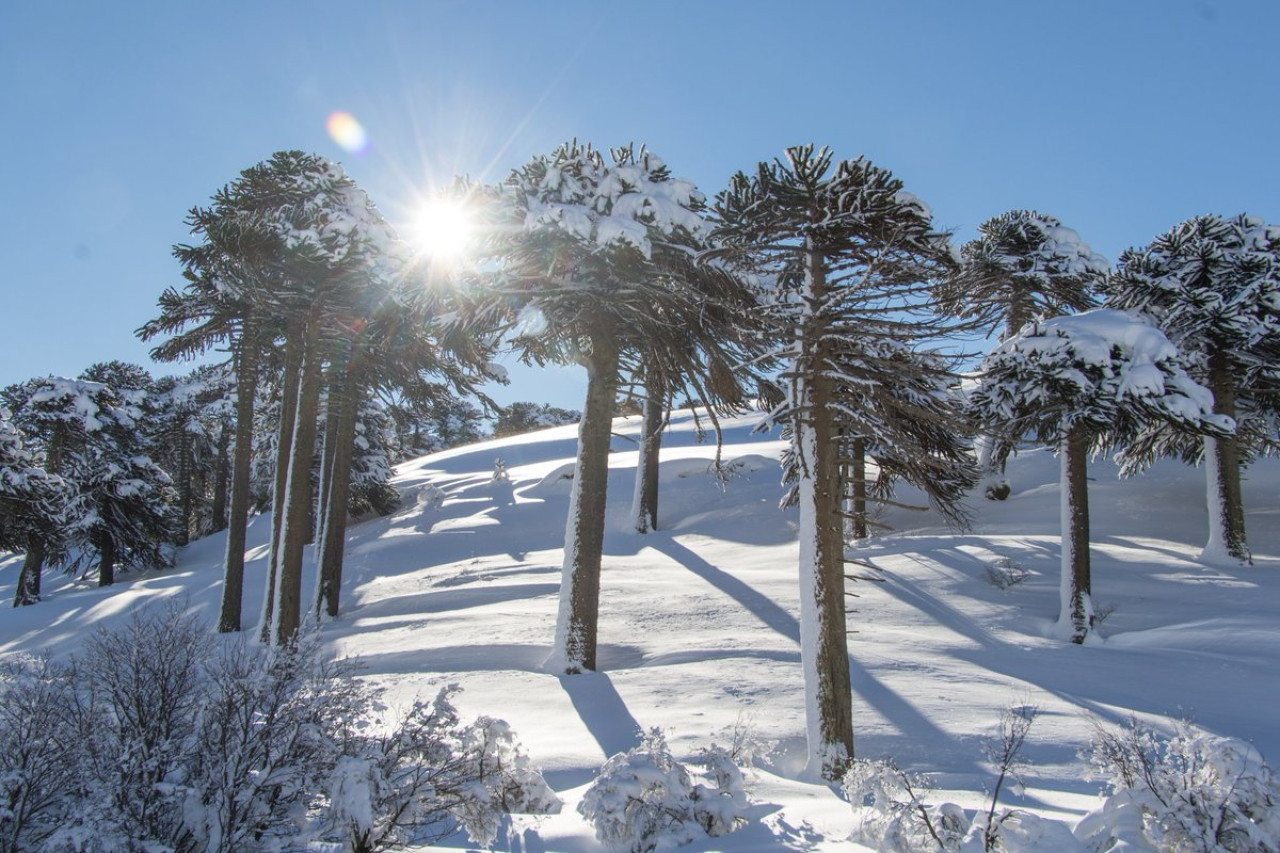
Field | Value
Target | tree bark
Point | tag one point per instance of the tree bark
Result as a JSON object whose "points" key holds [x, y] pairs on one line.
{"points": [[221, 474], [859, 497], [28, 591], [106, 560], [645, 501], [333, 531], [293, 360], [578, 618], [241, 481], [297, 510], [185, 474], [1076, 584], [1224, 467], [824, 642]]}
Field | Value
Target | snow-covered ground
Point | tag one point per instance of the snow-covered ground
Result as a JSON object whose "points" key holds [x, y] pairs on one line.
{"points": [[700, 635]]}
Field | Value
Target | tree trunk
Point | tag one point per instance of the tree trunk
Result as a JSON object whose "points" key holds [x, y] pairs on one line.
{"points": [[1075, 592], [298, 503], [645, 502], [185, 474], [343, 409], [106, 560], [1222, 468], [241, 481], [858, 474], [823, 641], [293, 359], [221, 474], [28, 591], [329, 443], [577, 621]]}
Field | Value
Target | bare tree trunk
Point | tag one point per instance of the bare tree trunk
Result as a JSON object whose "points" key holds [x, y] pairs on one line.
{"points": [[1076, 584], [28, 591], [294, 347], [106, 560], [824, 643], [343, 409], [1222, 466], [298, 503], [859, 477], [577, 622], [241, 481], [645, 502], [221, 474], [186, 475]]}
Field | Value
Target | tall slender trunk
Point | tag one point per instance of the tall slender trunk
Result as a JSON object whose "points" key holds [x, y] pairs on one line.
{"points": [[293, 358], [221, 474], [824, 648], [858, 473], [106, 560], [241, 481], [28, 590], [333, 532], [1222, 467], [185, 474], [329, 443], [297, 509], [645, 501], [1075, 592], [578, 618]]}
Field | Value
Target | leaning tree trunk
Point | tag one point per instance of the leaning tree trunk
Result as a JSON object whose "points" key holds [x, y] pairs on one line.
{"points": [[644, 506], [1222, 471], [106, 559], [295, 531], [241, 481], [578, 618], [824, 648], [343, 409], [293, 360], [1075, 593], [28, 591]]}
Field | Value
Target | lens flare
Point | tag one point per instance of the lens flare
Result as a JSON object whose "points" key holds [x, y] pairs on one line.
{"points": [[347, 132], [441, 229]]}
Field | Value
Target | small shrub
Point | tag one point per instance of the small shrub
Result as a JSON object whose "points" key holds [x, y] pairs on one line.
{"points": [[1192, 793], [645, 799], [1005, 574]]}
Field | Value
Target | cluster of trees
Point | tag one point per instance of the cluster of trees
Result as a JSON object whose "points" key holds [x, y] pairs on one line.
{"points": [[816, 287]]}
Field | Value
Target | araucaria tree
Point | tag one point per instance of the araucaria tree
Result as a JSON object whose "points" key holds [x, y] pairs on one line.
{"points": [[597, 261], [1084, 384], [33, 505], [853, 260], [1213, 286], [1023, 266]]}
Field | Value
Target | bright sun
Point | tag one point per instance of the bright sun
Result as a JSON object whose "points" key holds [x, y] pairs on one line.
{"points": [[441, 229]]}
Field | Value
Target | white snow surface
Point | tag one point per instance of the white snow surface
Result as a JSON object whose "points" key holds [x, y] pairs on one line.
{"points": [[700, 630]]}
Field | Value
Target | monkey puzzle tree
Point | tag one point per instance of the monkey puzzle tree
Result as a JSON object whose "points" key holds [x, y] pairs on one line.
{"points": [[596, 258], [851, 259], [1023, 266], [33, 506], [1084, 384], [1213, 286]]}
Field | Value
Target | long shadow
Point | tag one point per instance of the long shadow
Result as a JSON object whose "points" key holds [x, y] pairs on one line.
{"points": [[761, 606], [439, 601], [604, 714]]}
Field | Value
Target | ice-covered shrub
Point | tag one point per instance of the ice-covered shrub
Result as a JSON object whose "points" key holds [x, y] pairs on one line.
{"points": [[429, 776], [36, 769], [1192, 793], [645, 799], [893, 814]]}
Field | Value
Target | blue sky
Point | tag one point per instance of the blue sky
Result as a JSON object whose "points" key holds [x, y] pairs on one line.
{"points": [[1120, 118]]}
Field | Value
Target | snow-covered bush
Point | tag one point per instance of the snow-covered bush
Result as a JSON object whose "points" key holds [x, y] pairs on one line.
{"points": [[645, 799], [429, 776], [36, 769], [1192, 793], [893, 814]]}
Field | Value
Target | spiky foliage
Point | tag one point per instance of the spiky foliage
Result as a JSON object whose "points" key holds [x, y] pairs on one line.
{"points": [[1023, 266], [848, 262], [1213, 285]]}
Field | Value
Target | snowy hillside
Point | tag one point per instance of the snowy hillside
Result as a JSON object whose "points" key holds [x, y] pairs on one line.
{"points": [[699, 630]]}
